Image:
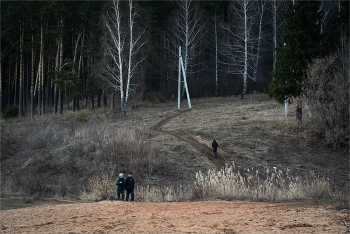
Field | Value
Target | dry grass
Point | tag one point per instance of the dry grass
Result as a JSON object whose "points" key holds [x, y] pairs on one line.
{"points": [[229, 184], [60, 159], [256, 134], [277, 186], [57, 156]]}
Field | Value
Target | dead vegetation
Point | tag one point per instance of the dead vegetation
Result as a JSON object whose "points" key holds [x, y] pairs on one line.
{"points": [[327, 92], [56, 156]]}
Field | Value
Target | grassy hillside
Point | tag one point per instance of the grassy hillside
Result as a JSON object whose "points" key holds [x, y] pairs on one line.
{"points": [[58, 156]]}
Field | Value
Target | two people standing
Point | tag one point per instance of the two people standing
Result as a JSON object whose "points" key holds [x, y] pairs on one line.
{"points": [[128, 185]]}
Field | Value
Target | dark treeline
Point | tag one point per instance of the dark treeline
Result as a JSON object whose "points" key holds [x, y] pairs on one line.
{"points": [[52, 51], [48, 49]]}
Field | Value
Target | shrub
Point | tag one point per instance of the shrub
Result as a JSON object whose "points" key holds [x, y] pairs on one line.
{"points": [[10, 112], [81, 118], [101, 186], [327, 92]]}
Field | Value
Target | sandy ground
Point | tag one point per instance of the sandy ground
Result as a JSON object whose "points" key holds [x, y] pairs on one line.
{"points": [[186, 217]]}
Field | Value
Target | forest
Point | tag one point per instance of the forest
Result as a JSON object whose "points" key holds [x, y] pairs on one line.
{"points": [[88, 90], [70, 55]]}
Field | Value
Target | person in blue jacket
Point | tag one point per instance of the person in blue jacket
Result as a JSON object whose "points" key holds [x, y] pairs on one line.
{"points": [[120, 186]]}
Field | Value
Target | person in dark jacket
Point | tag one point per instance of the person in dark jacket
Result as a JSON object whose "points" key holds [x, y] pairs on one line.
{"points": [[120, 186], [215, 146], [129, 187]]}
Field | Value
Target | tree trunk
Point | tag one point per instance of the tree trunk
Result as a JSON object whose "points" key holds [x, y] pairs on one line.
{"points": [[104, 98], [216, 57], [98, 99], [67, 94], [143, 80], [26, 83], [60, 102], [299, 112], [55, 96], [262, 8], [131, 23], [73, 104], [77, 104], [245, 73], [15, 99], [92, 101], [39, 86], [40, 68], [42, 88], [52, 88], [21, 68], [32, 76], [48, 88], [112, 100], [60, 96], [9, 87], [274, 33], [1, 93], [81, 66], [85, 89]]}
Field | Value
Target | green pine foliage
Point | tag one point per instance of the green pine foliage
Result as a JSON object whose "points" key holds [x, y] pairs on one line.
{"points": [[302, 41], [10, 112], [81, 118]]}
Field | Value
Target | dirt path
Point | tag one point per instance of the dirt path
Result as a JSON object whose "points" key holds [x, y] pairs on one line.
{"points": [[182, 217], [220, 161]]}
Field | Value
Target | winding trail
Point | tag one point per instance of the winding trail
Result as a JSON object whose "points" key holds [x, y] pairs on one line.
{"points": [[220, 161]]}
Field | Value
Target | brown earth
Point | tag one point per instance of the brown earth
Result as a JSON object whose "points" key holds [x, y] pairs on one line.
{"points": [[186, 217], [204, 148]]}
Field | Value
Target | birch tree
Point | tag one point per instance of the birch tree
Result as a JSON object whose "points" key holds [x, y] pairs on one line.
{"points": [[135, 44], [261, 8], [216, 52], [39, 70], [21, 45], [239, 49], [186, 32], [116, 45], [277, 24]]}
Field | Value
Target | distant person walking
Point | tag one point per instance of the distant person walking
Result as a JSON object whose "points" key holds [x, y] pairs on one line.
{"points": [[215, 146], [129, 187], [120, 186]]}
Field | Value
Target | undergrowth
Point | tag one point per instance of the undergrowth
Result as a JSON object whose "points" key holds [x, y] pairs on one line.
{"points": [[229, 184]]}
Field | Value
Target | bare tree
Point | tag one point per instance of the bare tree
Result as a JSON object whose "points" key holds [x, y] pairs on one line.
{"points": [[261, 8], [115, 45], [329, 9], [21, 72], [186, 31], [40, 67], [216, 52], [277, 24], [239, 46], [32, 74], [135, 45]]}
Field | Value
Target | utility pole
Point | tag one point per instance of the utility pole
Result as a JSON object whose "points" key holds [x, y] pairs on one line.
{"points": [[181, 67]]}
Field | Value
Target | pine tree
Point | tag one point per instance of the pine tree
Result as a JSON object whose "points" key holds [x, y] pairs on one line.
{"points": [[302, 41]]}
